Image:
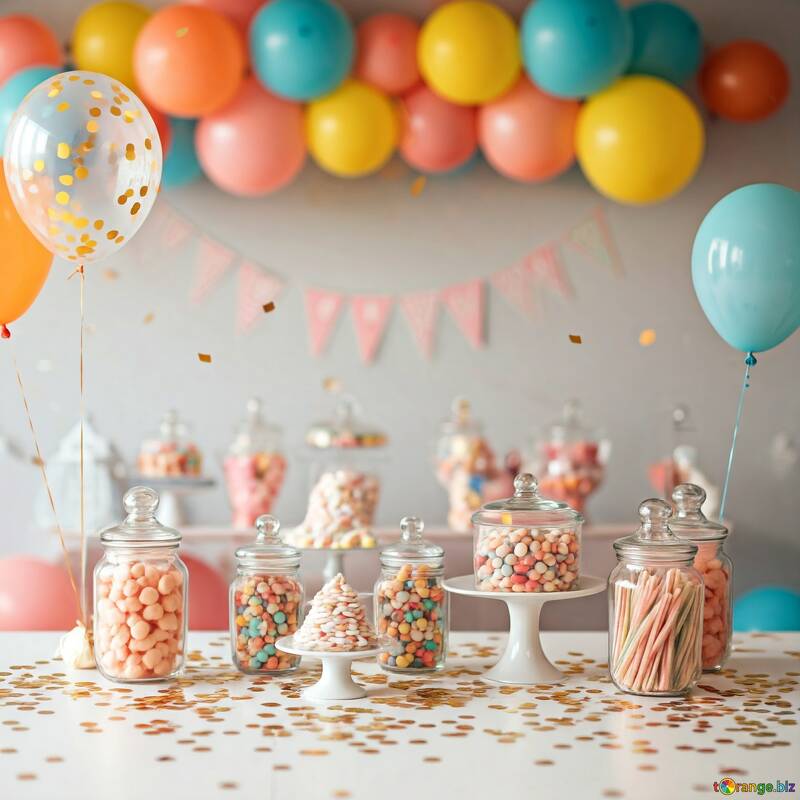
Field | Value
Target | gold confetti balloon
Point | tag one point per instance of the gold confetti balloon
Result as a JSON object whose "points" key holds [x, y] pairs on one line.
{"points": [[83, 164]]}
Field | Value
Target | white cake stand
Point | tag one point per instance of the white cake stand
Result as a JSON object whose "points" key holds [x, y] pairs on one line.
{"points": [[171, 509], [336, 681], [334, 558], [524, 661]]}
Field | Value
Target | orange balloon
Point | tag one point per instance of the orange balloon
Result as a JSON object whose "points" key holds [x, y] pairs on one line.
{"points": [[189, 61], [26, 42], [744, 81], [24, 262]]}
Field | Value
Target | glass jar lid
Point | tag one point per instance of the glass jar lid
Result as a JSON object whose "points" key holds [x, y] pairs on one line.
{"points": [[345, 430], [571, 427], [689, 521], [461, 422], [140, 528], [269, 549], [254, 434], [412, 548], [654, 541], [527, 508]]}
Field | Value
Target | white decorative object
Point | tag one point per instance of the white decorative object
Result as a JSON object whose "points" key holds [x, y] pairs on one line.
{"points": [[75, 649]]}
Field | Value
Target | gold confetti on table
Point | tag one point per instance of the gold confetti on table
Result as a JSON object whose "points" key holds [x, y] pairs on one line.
{"points": [[267, 307], [647, 337], [204, 357], [148, 317], [418, 185], [575, 338]]}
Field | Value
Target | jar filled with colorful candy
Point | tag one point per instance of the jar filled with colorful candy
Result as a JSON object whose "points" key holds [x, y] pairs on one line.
{"points": [[170, 453], [714, 565], [140, 596], [411, 610], [527, 543], [254, 467], [266, 601], [655, 617]]}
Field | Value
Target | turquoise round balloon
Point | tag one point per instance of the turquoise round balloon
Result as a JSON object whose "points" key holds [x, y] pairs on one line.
{"points": [[667, 42], [746, 266], [770, 608], [181, 165], [13, 92]]}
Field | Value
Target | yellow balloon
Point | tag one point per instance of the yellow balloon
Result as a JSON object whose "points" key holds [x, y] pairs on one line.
{"points": [[468, 52], [639, 141], [352, 131], [103, 39]]}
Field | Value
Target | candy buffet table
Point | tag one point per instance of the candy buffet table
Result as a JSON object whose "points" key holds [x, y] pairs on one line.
{"points": [[217, 733]]}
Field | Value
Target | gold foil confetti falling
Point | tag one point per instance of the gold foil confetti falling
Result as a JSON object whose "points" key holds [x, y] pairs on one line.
{"points": [[110, 274], [148, 318], [647, 337], [575, 338], [267, 307], [331, 384], [418, 185], [204, 357]]}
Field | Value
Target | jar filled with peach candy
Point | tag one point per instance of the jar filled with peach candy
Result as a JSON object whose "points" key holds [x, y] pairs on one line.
{"points": [[714, 565], [140, 596]]}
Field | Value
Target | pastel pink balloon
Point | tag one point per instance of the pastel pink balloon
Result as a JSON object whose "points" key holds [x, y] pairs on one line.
{"points": [[438, 136], [387, 52], [255, 144], [26, 42], [35, 596], [239, 12], [208, 596], [528, 135]]}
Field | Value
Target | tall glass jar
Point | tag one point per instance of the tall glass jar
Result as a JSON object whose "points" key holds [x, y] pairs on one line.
{"points": [[140, 596], [714, 565], [411, 610], [526, 543], [266, 601], [170, 453], [655, 619]]}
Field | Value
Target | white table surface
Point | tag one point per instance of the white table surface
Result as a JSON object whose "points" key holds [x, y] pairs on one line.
{"points": [[218, 734]]}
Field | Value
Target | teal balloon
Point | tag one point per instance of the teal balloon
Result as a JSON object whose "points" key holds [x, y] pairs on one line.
{"points": [[181, 165], [667, 42], [301, 49], [13, 92], [770, 608], [746, 266], [574, 48]]}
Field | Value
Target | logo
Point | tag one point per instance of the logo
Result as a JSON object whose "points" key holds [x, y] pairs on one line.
{"points": [[728, 786]]}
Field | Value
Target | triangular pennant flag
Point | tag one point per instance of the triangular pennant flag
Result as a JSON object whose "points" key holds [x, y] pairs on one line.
{"points": [[465, 302], [514, 283], [213, 261], [593, 239], [370, 316], [174, 229], [322, 310], [421, 310], [256, 288], [543, 266]]}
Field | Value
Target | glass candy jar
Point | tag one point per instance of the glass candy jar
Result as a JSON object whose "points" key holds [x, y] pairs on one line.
{"points": [[170, 454], [526, 543], [254, 467], [266, 601], [140, 596], [411, 610], [655, 619], [714, 565]]}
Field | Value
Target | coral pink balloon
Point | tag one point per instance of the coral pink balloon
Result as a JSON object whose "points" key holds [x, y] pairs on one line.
{"points": [[387, 53], [255, 144], [163, 127], [239, 12], [35, 596], [26, 42], [438, 136], [528, 135], [208, 596]]}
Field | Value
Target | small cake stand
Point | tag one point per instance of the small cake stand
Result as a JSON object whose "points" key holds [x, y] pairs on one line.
{"points": [[171, 510], [336, 681], [524, 661]]}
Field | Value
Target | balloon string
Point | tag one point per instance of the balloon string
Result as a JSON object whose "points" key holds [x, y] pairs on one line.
{"points": [[84, 598], [750, 361]]}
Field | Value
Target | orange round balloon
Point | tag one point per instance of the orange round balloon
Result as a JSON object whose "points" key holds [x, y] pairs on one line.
{"points": [[744, 81], [189, 61], [26, 42], [24, 262]]}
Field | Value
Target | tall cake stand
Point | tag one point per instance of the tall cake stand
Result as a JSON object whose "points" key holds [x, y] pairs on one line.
{"points": [[334, 558], [171, 510], [524, 661]]}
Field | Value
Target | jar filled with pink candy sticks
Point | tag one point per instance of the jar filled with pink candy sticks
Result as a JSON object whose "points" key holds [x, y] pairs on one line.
{"points": [[655, 617], [140, 596], [714, 565]]}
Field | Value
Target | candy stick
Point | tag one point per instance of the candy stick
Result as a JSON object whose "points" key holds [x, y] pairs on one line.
{"points": [[632, 653], [644, 666], [666, 664], [621, 596]]}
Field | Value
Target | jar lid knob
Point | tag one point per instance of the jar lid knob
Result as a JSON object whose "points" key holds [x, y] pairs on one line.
{"points": [[411, 528], [140, 502], [688, 497], [268, 527], [525, 485], [654, 514]]}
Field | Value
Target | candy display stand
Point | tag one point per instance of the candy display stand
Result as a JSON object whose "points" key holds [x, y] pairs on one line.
{"points": [[334, 558], [524, 662], [171, 510], [336, 681]]}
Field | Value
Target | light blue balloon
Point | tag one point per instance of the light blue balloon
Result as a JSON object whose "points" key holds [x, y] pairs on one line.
{"points": [[13, 92], [301, 49], [769, 608], [667, 42], [574, 48], [746, 266], [181, 165]]}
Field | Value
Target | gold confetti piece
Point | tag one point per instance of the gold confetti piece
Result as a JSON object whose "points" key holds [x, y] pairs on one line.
{"points": [[418, 185], [110, 275], [148, 318], [647, 337], [575, 338], [268, 307], [181, 32], [205, 357], [63, 150], [331, 384]]}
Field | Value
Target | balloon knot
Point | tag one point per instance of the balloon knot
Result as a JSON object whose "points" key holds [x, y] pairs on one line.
{"points": [[5, 332], [750, 360]]}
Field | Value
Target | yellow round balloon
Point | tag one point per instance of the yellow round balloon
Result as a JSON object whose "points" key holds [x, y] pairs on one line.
{"points": [[103, 39], [352, 131], [468, 52], [639, 141]]}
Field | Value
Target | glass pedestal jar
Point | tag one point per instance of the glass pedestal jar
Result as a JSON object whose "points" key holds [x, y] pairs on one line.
{"points": [[170, 454]]}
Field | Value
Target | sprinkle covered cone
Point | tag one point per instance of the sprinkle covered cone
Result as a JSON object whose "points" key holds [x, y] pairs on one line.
{"points": [[337, 621]]}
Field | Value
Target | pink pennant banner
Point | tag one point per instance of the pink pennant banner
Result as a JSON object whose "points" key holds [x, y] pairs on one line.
{"points": [[370, 317], [214, 259], [175, 230], [466, 303], [514, 284], [594, 240], [421, 310], [256, 288], [544, 266], [322, 310]]}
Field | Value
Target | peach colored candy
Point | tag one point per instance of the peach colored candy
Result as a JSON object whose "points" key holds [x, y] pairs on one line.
{"points": [[716, 608]]}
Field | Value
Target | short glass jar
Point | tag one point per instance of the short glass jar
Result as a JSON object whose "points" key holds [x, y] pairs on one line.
{"points": [[140, 596], [655, 619], [170, 453], [266, 601], [411, 608]]}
